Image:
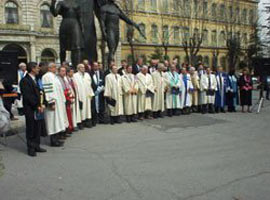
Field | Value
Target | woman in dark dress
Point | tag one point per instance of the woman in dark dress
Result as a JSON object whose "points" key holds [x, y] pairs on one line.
{"points": [[246, 87], [71, 31]]}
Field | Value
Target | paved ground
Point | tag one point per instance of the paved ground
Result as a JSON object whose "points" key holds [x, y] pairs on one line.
{"points": [[211, 157]]}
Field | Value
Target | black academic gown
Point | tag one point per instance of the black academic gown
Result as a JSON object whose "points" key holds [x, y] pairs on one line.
{"points": [[31, 102]]}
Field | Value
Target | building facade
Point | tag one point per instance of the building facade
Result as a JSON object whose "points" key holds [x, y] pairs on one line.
{"points": [[178, 27], [27, 26]]}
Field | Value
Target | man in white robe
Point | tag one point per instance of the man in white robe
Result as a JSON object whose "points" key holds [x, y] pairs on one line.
{"points": [[55, 112], [201, 92], [173, 103], [114, 95], [186, 91], [85, 94], [130, 89], [145, 93], [160, 85], [209, 87]]}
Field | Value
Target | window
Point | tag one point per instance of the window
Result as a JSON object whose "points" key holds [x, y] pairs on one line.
{"points": [[11, 13], [141, 4], [205, 9], [244, 16], [141, 38], [237, 13], [165, 4], [231, 14], [186, 35], [214, 38], [176, 5], [222, 12], [45, 16], [206, 60], [47, 56], [154, 33], [153, 4], [196, 7], [205, 37], [196, 34], [251, 16], [245, 39], [214, 11], [165, 33], [222, 39], [176, 35]]}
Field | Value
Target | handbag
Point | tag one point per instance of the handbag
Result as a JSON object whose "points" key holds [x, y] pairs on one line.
{"points": [[149, 93]]}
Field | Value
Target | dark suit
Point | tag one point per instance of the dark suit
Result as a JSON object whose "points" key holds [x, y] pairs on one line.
{"points": [[136, 69], [31, 102], [98, 80]]}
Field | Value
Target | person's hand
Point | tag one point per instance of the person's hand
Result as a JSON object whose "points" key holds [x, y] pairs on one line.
{"points": [[52, 107]]}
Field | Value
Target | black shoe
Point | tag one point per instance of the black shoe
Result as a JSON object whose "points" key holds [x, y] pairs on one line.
{"points": [[57, 144], [112, 120], [128, 119], [40, 150], [80, 126], [32, 152]]}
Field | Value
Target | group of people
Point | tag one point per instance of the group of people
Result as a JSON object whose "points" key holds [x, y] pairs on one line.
{"points": [[59, 100]]}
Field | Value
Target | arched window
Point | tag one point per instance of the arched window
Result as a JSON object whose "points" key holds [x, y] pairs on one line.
{"points": [[154, 33], [22, 55], [11, 13], [47, 56], [142, 27], [45, 16]]}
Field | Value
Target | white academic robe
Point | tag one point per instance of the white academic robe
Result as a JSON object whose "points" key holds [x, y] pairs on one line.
{"points": [[129, 82], [186, 95], [145, 82], [113, 89], [160, 84], [85, 94], [173, 100], [205, 86], [56, 120]]}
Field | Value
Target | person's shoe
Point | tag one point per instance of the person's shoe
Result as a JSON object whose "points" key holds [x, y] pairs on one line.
{"points": [[57, 144], [80, 126], [40, 150], [32, 152], [14, 119]]}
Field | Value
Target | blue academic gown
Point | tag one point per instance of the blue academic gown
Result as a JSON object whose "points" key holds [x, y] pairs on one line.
{"points": [[222, 88]]}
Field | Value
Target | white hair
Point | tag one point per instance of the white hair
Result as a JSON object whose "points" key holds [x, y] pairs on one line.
{"points": [[22, 64]]}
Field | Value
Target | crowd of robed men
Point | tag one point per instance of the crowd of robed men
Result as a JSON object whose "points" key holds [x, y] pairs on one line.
{"points": [[59, 100]]}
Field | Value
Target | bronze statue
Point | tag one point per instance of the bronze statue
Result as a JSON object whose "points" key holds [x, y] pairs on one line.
{"points": [[88, 7], [71, 29], [109, 17]]}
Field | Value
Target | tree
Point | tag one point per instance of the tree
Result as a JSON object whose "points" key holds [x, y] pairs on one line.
{"points": [[193, 24]]}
